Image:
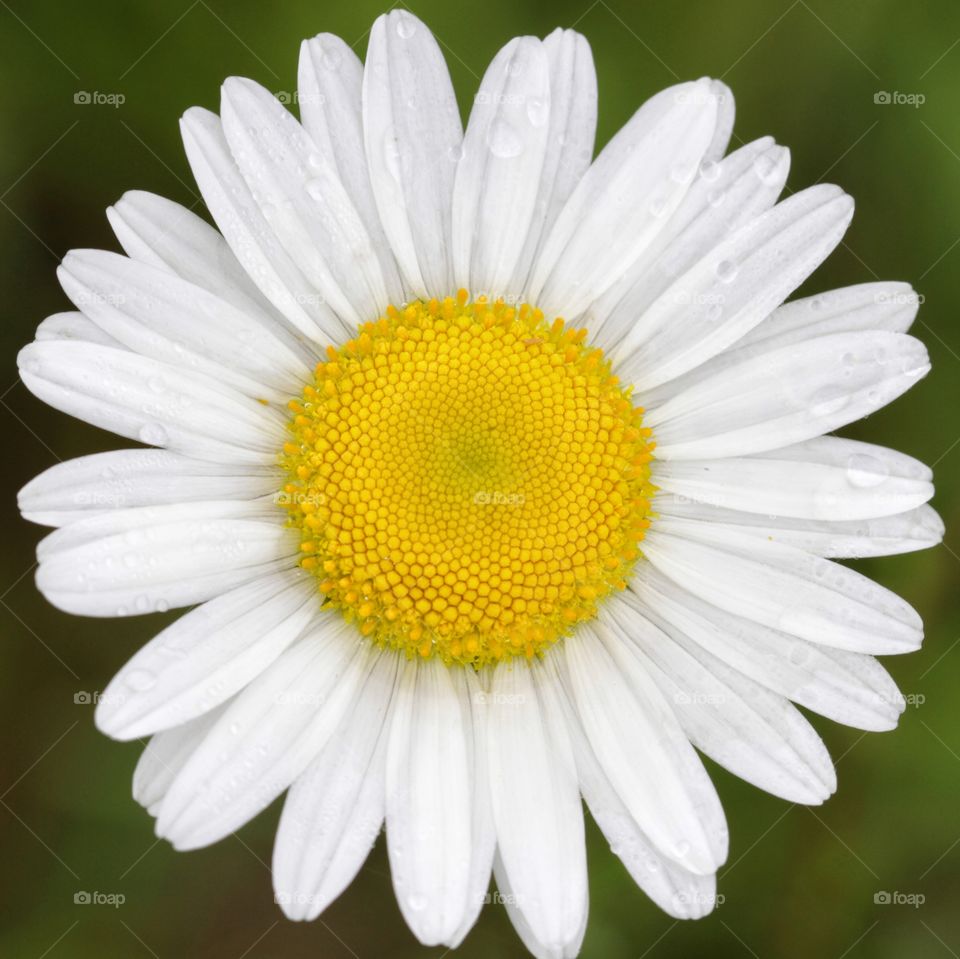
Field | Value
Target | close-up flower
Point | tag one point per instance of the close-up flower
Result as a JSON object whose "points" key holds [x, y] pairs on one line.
{"points": [[496, 477]]}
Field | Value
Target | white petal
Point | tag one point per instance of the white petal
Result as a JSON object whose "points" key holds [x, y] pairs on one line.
{"points": [[726, 113], [428, 801], [73, 327], [335, 809], [541, 866], [330, 94], [734, 287], [207, 656], [266, 737], [867, 306], [166, 235], [250, 236], [300, 194], [679, 892], [644, 753], [723, 198], [788, 395], [499, 173], [412, 136], [164, 757], [783, 588], [483, 838], [130, 562], [846, 687], [91, 529], [142, 399], [161, 316], [754, 733], [124, 479], [919, 528], [572, 127], [624, 199], [825, 479]]}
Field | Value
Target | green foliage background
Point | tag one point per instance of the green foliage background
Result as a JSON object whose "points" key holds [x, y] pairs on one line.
{"points": [[799, 882]]}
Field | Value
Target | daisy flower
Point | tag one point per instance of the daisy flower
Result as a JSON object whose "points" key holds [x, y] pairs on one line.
{"points": [[497, 478]]}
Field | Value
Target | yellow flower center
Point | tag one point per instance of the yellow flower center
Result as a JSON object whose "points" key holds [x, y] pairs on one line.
{"points": [[468, 480]]}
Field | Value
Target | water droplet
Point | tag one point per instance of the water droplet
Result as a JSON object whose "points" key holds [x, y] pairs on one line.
{"points": [[156, 384], [727, 271], [766, 168], [315, 189], [715, 312], [454, 153], [799, 654], [503, 140], [153, 434], [393, 156], [417, 902], [538, 111], [865, 471], [140, 680], [332, 59], [710, 170], [406, 26]]}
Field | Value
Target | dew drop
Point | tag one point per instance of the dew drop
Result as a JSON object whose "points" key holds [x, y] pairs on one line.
{"points": [[865, 471], [503, 140], [153, 434], [406, 26], [140, 680], [416, 902], [726, 271], [538, 111], [766, 168], [332, 59], [314, 189], [709, 170]]}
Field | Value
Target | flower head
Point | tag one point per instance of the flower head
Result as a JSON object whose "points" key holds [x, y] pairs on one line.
{"points": [[498, 477]]}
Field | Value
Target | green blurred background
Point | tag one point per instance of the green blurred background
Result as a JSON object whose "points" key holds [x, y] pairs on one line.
{"points": [[798, 881]]}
